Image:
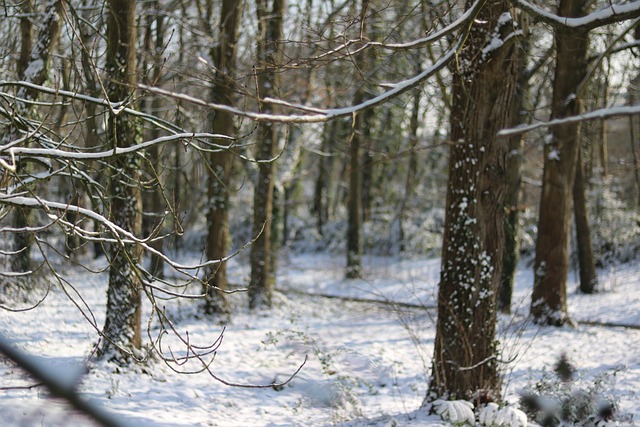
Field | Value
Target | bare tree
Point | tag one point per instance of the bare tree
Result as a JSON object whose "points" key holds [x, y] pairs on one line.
{"points": [[270, 16], [122, 332], [32, 69], [221, 161], [484, 83]]}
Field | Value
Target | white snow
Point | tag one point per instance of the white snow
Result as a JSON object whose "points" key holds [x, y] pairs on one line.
{"points": [[368, 364]]}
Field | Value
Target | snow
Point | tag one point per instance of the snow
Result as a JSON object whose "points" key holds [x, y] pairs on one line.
{"points": [[368, 363]]}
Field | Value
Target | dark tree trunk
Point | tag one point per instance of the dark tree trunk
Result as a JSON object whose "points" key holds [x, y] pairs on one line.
{"points": [[514, 181], [122, 332], [412, 167], [323, 183], [262, 279], [218, 238], [551, 266], [464, 361], [586, 260], [359, 138], [33, 67]]}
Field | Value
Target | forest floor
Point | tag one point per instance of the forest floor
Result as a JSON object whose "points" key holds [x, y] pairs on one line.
{"points": [[367, 362]]}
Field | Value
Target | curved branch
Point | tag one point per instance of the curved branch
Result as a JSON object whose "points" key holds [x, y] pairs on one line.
{"points": [[605, 16]]}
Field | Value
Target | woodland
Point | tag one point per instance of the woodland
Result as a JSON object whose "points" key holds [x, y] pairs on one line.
{"points": [[159, 144]]}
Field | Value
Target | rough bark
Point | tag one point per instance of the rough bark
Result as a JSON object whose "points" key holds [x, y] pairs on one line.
{"points": [[464, 362], [262, 280], [221, 162], [551, 266], [122, 332]]}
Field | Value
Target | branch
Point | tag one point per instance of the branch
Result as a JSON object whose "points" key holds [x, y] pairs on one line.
{"points": [[58, 384], [319, 115], [608, 15], [601, 114]]}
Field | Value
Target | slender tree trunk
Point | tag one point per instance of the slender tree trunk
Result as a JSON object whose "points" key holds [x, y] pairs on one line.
{"points": [[32, 68], [153, 198], [269, 54], [551, 266], [514, 181], [221, 162], [412, 167], [122, 332], [359, 136], [586, 260], [464, 361]]}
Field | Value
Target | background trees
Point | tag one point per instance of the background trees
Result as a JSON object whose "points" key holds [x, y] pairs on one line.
{"points": [[419, 90]]}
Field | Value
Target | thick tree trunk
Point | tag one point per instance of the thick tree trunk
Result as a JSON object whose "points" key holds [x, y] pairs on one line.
{"points": [[464, 362], [551, 266], [219, 180], [586, 260], [269, 36], [122, 332]]}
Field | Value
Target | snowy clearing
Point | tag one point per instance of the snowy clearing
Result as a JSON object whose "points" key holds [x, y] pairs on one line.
{"points": [[368, 363]]}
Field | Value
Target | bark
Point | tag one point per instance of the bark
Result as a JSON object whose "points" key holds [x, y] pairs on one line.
{"points": [[464, 362], [586, 260], [122, 332], [262, 280], [26, 36], [32, 68], [551, 266], [221, 162]]}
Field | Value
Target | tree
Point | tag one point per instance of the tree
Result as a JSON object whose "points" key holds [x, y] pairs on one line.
{"points": [[269, 55], [153, 197], [221, 161], [548, 300], [33, 68], [484, 83], [360, 136], [122, 332]]}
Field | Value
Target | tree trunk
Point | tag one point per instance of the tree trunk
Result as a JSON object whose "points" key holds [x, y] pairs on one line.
{"points": [[153, 198], [514, 181], [359, 137], [464, 362], [32, 68], [586, 260], [412, 167], [221, 122], [269, 36], [551, 266], [121, 333]]}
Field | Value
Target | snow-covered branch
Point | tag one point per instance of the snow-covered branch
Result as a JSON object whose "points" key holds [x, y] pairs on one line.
{"points": [[605, 16], [185, 138], [601, 114]]}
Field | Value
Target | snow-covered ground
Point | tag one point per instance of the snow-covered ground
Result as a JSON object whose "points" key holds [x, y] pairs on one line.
{"points": [[367, 363]]}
